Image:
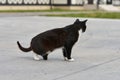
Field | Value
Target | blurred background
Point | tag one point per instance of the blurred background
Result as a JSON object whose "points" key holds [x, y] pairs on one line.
{"points": [[109, 5]]}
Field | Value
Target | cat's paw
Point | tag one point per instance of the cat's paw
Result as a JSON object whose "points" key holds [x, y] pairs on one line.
{"points": [[65, 58], [71, 60], [36, 57]]}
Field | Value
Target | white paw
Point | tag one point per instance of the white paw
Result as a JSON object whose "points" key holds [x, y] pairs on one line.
{"points": [[37, 57], [65, 58], [71, 60]]}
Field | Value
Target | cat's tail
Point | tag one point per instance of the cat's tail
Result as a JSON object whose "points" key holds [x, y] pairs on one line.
{"points": [[22, 48]]}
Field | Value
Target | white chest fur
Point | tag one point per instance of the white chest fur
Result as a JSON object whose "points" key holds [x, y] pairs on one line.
{"points": [[80, 32]]}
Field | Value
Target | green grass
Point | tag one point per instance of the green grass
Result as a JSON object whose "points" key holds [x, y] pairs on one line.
{"points": [[80, 13], [93, 14]]}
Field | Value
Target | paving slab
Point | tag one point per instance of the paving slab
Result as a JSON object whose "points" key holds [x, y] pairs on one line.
{"points": [[96, 54]]}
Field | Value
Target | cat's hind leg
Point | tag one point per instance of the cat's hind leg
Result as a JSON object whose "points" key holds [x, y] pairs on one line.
{"points": [[39, 53], [45, 57], [36, 57]]}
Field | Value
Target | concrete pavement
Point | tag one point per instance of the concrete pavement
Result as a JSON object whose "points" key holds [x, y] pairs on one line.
{"points": [[110, 8], [96, 54]]}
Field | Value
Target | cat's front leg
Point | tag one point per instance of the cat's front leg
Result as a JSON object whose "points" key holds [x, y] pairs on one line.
{"points": [[71, 60], [67, 54], [64, 54]]}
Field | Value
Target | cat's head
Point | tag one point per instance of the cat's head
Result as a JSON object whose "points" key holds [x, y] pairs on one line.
{"points": [[80, 25]]}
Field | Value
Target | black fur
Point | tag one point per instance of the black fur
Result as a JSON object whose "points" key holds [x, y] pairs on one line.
{"points": [[61, 37]]}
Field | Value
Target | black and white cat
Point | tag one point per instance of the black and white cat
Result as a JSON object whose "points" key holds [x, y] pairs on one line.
{"points": [[64, 37]]}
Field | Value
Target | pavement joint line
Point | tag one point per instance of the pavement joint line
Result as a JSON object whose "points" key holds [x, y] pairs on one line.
{"points": [[88, 68]]}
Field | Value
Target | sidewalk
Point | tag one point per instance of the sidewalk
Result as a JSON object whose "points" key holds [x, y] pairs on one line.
{"points": [[110, 8]]}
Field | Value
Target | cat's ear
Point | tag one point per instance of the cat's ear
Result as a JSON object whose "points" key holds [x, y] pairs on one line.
{"points": [[77, 21], [85, 21]]}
